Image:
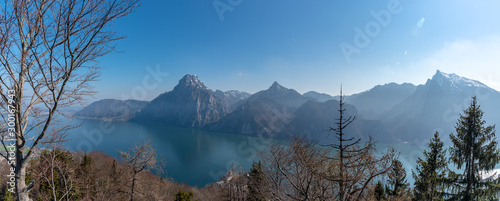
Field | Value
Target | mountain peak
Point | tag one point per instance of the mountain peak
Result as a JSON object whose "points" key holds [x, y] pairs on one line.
{"points": [[455, 80], [191, 81], [276, 86], [441, 75]]}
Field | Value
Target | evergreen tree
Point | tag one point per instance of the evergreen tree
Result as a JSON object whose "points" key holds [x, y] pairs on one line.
{"points": [[379, 191], [182, 196], [84, 173], [114, 172], [430, 172], [86, 160], [397, 185], [474, 152], [256, 182]]}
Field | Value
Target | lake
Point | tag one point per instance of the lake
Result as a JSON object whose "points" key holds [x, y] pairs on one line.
{"points": [[194, 156]]}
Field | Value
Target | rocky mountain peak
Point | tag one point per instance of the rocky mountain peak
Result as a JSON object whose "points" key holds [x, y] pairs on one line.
{"points": [[190, 81], [276, 87]]}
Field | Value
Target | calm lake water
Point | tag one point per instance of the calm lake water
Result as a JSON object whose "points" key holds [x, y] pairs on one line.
{"points": [[193, 156]]}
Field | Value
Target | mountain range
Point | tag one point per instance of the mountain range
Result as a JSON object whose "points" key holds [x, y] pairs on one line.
{"points": [[388, 113], [436, 106], [266, 112]]}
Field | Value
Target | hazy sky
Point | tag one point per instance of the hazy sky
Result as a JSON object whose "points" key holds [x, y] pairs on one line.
{"points": [[304, 45]]}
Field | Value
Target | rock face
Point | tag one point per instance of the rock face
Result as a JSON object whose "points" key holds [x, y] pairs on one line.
{"points": [[190, 104], [111, 109], [257, 117]]}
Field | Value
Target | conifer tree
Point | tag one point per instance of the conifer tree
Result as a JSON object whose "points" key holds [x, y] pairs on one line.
{"points": [[397, 186], [430, 172], [256, 183], [475, 153], [182, 196], [85, 174], [379, 191]]}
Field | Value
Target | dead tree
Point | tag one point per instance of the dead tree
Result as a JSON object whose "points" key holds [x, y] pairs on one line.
{"points": [[353, 166], [48, 54]]}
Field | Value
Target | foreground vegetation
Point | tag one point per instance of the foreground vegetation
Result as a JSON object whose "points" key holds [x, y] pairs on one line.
{"points": [[65, 175]]}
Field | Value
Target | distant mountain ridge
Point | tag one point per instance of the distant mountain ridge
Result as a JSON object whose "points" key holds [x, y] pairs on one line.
{"points": [[278, 93], [111, 109], [374, 102], [313, 119], [320, 97], [266, 112], [436, 105], [389, 112], [232, 96]]}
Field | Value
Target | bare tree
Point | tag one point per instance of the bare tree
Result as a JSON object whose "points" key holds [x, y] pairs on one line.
{"points": [[57, 173], [353, 166], [293, 172], [235, 185], [48, 53], [142, 157]]}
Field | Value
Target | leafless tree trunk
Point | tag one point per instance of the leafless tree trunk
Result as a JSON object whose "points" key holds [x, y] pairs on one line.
{"points": [[48, 53], [294, 172], [353, 166], [141, 158], [53, 154], [62, 170]]}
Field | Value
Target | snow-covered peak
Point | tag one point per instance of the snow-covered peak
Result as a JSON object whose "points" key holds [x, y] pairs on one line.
{"points": [[456, 81]]}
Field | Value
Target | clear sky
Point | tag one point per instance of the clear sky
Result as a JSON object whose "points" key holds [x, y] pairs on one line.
{"points": [[304, 45]]}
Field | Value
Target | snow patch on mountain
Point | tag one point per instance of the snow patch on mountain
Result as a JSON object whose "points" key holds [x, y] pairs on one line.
{"points": [[456, 81]]}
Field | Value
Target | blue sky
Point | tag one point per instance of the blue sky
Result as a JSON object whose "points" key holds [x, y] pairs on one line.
{"points": [[298, 44]]}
